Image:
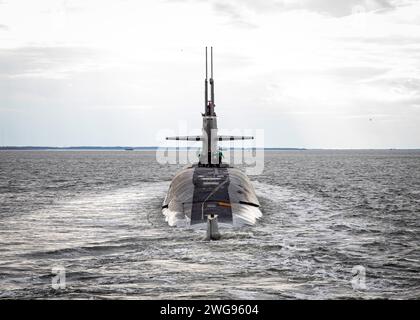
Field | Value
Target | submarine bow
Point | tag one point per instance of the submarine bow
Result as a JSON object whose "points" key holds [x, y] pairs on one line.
{"points": [[196, 192]]}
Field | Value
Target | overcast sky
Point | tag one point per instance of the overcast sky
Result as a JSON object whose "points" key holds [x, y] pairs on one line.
{"points": [[314, 74]]}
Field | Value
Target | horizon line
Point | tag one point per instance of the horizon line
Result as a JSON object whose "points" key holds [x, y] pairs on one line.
{"points": [[29, 147]]}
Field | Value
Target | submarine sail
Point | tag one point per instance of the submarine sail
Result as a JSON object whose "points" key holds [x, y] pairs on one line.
{"points": [[210, 191]]}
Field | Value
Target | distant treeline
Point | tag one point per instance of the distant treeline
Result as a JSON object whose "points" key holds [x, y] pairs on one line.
{"points": [[124, 148], [75, 148]]}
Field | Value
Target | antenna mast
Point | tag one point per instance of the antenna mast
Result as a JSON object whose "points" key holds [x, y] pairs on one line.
{"points": [[211, 81], [206, 98]]}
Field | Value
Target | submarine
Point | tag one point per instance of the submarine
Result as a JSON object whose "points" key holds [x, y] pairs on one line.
{"points": [[210, 193]]}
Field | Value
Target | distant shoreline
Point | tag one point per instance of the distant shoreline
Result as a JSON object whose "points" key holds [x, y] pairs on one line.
{"points": [[154, 148], [120, 148]]}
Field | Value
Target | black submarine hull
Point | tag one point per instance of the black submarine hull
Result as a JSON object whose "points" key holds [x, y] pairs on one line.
{"points": [[197, 192]]}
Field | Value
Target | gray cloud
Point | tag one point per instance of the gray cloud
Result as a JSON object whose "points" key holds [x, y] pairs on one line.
{"points": [[233, 11], [334, 8], [23, 60], [356, 73], [392, 40], [343, 8]]}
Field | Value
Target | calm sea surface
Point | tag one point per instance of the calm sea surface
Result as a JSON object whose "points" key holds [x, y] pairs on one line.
{"points": [[336, 225]]}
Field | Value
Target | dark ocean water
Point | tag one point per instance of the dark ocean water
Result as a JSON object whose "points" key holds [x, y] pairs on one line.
{"points": [[97, 215]]}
